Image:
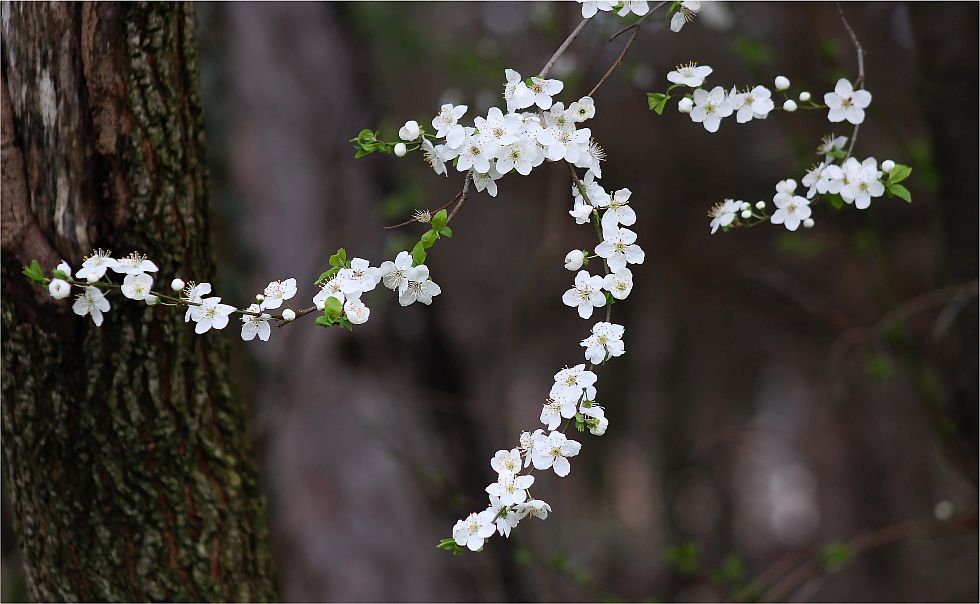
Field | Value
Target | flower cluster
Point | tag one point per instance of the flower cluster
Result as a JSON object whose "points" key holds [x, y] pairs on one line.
{"points": [[572, 397], [339, 295], [680, 13], [508, 140]]}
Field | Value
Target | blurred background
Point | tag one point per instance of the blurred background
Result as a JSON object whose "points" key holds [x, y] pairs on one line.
{"points": [[796, 417]]}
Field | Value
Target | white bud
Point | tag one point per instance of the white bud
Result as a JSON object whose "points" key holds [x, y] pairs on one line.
{"points": [[808, 223], [746, 214], [789, 106], [410, 131], [760, 205], [685, 105], [574, 260], [887, 165], [288, 314], [259, 298], [151, 300], [746, 206], [59, 289], [177, 285], [782, 82], [804, 97], [400, 150]]}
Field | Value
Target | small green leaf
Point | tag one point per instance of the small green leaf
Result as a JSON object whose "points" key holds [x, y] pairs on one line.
{"points": [[332, 307], [685, 557], [339, 259], [440, 219], [418, 254], [60, 275], [899, 191], [450, 545], [899, 173], [657, 101], [34, 272], [326, 275], [446, 232], [429, 238], [323, 321]]}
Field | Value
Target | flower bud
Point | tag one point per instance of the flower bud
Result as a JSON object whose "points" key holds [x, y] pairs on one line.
{"points": [[746, 214], [410, 131], [887, 165], [804, 97], [789, 106], [59, 289], [685, 105], [808, 223], [574, 260], [288, 314], [151, 300], [782, 83], [259, 298], [177, 285], [746, 206], [400, 150], [760, 205]]}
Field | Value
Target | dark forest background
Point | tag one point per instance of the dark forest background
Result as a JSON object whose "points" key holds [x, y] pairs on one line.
{"points": [[785, 398]]}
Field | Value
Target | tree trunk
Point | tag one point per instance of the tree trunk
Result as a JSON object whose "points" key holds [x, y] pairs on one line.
{"points": [[125, 452]]}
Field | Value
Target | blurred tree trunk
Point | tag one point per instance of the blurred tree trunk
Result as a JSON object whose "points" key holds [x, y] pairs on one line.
{"points": [[124, 447]]}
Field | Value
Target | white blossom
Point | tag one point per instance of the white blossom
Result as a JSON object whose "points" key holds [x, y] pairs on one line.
{"points": [[534, 507], [619, 248], [358, 278], [193, 294], [619, 283], [586, 295], [256, 325], [330, 289], [591, 7], [410, 131], [447, 122], [433, 156], [553, 451], [791, 210], [511, 488], [618, 212], [723, 214], [638, 8], [829, 145], [516, 93], [571, 383], [486, 181], [506, 461], [356, 312], [66, 269], [133, 264], [845, 103], [582, 109], [687, 10], [755, 103], [554, 410], [606, 339], [91, 302], [419, 287], [277, 292], [393, 274], [861, 182], [59, 289], [137, 287], [597, 422], [211, 314], [543, 89], [506, 520], [691, 75], [574, 260], [95, 266], [710, 107], [474, 530]]}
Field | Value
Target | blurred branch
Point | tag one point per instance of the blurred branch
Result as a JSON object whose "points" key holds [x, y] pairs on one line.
{"points": [[561, 49], [816, 565], [860, 78]]}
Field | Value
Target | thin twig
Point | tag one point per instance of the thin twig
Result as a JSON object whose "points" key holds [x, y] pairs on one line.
{"points": [[561, 49], [618, 61], [860, 78], [462, 198], [413, 220]]}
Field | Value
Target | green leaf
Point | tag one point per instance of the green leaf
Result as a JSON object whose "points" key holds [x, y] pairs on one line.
{"points": [[446, 232], [657, 101], [323, 321], [339, 259], [685, 557], [332, 308], [440, 219], [34, 272], [418, 254], [899, 191], [429, 238], [450, 546], [899, 173], [836, 201], [60, 275], [835, 556], [345, 322], [326, 275]]}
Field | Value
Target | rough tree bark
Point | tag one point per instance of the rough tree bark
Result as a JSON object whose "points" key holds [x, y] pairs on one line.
{"points": [[125, 453]]}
